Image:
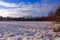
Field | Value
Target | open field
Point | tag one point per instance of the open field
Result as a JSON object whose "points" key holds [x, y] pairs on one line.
{"points": [[20, 30]]}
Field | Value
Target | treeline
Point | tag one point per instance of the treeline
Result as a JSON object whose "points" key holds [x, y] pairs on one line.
{"points": [[52, 16], [58, 15], [27, 19]]}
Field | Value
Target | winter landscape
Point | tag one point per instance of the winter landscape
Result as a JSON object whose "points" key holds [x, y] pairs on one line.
{"points": [[29, 19], [24, 30]]}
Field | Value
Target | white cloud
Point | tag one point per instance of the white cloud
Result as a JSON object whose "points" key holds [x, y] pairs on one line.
{"points": [[23, 9], [12, 13], [2, 3]]}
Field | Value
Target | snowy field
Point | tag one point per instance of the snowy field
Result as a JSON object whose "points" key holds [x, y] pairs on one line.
{"points": [[19, 30]]}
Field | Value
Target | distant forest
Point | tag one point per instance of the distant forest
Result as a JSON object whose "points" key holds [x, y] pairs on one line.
{"points": [[52, 16]]}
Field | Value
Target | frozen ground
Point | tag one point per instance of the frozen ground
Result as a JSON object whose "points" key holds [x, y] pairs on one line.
{"points": [[15, 30]]}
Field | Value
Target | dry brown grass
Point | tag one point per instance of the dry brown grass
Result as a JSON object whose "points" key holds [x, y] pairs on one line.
{"points": [[58, 22], [55, 22]]}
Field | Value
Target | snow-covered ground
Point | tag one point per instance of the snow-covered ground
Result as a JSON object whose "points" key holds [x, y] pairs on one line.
{"points": [[20, 30]]}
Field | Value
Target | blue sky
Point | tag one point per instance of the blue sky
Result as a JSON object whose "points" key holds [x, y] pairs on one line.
{"points": [[20, 8]]}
